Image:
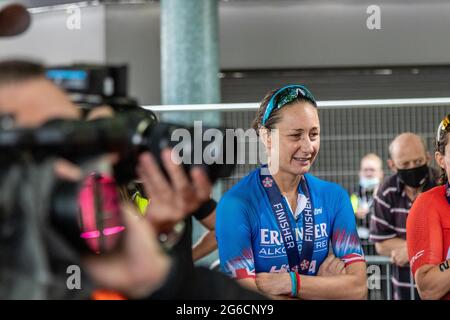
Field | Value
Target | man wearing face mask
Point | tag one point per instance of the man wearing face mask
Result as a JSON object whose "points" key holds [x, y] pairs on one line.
{"points": [[409, 161], [370, 177]]}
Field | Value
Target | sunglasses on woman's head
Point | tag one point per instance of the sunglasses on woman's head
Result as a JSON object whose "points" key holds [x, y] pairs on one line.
{"points": [[285, 96], [444, 127]]}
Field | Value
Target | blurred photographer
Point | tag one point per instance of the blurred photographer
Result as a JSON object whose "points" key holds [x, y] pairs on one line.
{"points": [[32, 100], [27, 95], [34, 256]]}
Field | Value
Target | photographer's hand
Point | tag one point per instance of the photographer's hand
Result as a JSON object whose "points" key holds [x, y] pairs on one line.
{"points": [[171, 201], [66, 170], [139, 269]]}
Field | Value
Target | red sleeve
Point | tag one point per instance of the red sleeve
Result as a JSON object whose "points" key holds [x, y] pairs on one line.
{"points": [[424, 233]]}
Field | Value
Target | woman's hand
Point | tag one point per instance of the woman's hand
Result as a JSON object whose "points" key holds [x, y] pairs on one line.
{"points": [[332, 266], [274, 284]]}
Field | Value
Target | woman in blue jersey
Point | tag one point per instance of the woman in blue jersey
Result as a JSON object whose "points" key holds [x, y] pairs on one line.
{"points": [[281, 230]]}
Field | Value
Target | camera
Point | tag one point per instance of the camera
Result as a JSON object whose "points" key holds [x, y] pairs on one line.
{"points": [[127, 134], [87, 213], [90, 86], [93, 204]]}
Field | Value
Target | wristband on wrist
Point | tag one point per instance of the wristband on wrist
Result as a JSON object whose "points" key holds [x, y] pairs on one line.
{"points": [[297, 275], [205, 209], [294, 284]]}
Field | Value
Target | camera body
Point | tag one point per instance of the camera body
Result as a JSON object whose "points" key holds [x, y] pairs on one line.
{"points": [[90, 85], [128, 135], [85, 212]]}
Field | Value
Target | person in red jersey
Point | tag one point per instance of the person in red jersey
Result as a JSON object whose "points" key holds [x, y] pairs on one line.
{"points": [[428, 228]]}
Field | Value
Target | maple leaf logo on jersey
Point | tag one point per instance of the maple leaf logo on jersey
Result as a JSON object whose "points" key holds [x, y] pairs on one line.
{"points": [[267, 182], [294, 269]]}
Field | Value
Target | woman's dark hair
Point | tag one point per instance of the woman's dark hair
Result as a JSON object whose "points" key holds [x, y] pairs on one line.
{"points": [[274, 117], [441, 143]]}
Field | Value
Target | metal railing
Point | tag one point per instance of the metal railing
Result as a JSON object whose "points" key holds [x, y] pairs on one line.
{"points": [[386, 276]]}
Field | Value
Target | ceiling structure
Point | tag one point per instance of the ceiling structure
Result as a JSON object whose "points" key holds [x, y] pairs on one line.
{"points": [[52, 3]]}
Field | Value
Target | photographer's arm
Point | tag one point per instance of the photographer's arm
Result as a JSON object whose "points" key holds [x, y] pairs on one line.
{"points": [[142, 271], [201, 284], [139, 268], [142, 268]]}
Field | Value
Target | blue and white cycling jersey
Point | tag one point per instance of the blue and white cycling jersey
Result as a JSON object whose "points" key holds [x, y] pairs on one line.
{"points": [[249, 239]]}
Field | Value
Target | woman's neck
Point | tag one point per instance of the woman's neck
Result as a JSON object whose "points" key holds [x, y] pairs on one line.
{"points": [[287, 182]]}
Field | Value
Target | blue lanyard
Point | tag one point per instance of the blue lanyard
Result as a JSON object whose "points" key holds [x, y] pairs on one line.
{"points": [[297, 262]]}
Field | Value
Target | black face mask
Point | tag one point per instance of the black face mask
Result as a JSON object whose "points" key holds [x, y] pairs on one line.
{"points": [[414, 177]]}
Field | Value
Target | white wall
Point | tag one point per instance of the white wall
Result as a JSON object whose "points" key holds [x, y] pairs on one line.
{"points": [[326, 33], [133, 37], [50, 41], [289, 34], [253, 35]]}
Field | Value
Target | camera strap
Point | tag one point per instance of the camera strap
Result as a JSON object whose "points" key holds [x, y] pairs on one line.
{"points": [[297, 261]]}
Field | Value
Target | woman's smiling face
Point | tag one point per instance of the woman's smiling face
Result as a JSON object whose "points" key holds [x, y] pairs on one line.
{"points": [[299, 138]]}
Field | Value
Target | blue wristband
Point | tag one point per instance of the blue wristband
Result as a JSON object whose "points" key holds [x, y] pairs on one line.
{"points": [[294, 284]]}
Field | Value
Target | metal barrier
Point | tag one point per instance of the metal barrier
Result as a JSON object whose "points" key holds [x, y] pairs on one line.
{"points": [[385, 277], [386, 263]]}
